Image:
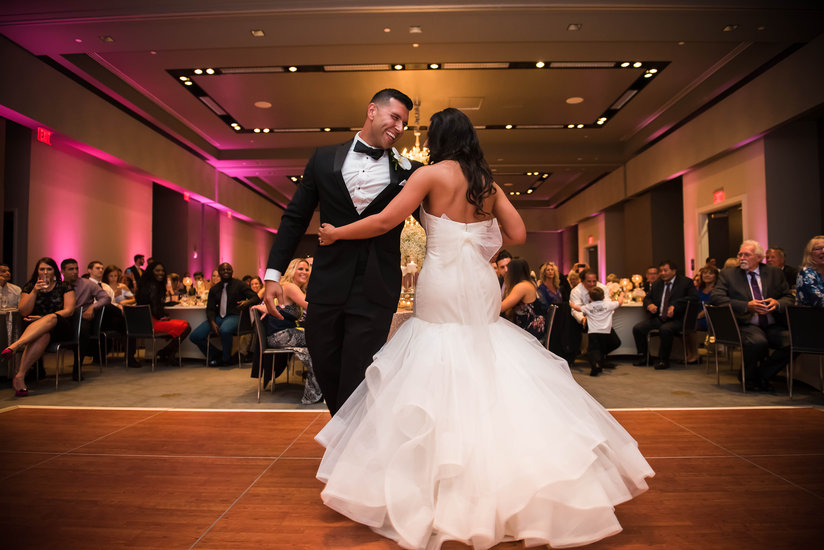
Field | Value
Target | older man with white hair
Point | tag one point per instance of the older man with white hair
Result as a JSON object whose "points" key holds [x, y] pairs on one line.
{"points": [[758, 294]]}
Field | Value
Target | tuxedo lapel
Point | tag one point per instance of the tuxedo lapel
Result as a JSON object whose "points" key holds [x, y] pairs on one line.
{"points": [[337, 171]]}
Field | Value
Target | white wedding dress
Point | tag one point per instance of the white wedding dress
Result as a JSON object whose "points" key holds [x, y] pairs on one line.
{"points": [[467, 429]]}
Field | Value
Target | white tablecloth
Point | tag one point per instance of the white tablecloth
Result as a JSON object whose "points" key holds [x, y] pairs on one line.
{"points": [[194, 315]]}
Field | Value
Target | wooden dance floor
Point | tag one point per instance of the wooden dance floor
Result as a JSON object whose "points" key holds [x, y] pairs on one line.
{"points": [[169, 479]]}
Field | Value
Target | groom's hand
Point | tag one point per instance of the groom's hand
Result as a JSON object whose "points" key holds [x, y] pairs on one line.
{"points": [[273, 292]]}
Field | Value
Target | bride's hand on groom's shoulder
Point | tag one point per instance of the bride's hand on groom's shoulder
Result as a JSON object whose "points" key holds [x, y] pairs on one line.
{"points": [[326, 235]]}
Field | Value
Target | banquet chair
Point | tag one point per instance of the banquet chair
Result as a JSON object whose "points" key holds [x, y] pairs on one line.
{"points": [[139, 325], [549, 319], [687, 326], [72, 343], [263, 351], [806, 328], [244, 327], [723, 326]]}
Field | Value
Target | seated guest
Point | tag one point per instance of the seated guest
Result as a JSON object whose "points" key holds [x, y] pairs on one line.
{"points": [[650, 277], [257, 286], [94, 273], [151, 291], [9, 293], [665, 303], [710, 261], [775, 257], [246, 279], [810, 281], [758, 294], [501, 262], [602, 339], [284, 333], [223, 307], [520, 304], [89, 295], [215, 278], [114, 279], [708, 277], [549, 291], [46, 304], [174, 289]]}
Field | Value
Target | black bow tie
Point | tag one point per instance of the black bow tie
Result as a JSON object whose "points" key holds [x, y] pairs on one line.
{"points": [[361, 147]]}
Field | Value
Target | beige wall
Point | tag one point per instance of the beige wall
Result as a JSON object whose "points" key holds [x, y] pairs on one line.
{"points": [[82, 207], [741, 176], [244, 246]]}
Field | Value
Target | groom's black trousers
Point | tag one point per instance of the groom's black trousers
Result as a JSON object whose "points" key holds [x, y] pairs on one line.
{"points": [[342, 340]]}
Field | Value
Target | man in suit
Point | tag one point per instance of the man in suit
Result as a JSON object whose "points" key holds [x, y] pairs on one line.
{"points": [[355, 285], [758, 294], [227, 301], [775, 257], [665, 303]]}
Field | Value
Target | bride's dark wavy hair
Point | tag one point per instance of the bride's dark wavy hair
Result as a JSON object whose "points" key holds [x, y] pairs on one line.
{"points": [[451, 136]]}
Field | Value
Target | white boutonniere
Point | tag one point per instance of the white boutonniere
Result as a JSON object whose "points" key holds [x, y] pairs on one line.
{"points": [[399, 160]]}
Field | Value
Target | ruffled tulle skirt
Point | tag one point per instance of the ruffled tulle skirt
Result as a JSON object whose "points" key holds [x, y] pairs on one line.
{"points": [[480, 435]]}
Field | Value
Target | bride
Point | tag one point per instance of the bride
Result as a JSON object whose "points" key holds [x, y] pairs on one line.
{"points": [[465, 427]]}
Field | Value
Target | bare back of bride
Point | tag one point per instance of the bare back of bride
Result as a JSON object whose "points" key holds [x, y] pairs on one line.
{"points": [[465, 427]]}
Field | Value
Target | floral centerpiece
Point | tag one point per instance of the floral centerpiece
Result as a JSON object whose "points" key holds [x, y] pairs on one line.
{"points": [[413, 251]]}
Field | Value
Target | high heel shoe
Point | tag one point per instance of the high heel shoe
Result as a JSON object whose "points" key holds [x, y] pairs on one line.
{"points": [[6, 354], [22, 393]]}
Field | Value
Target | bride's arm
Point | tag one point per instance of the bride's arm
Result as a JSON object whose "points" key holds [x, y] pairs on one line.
{"points": [[410, 197], [513, 229]]}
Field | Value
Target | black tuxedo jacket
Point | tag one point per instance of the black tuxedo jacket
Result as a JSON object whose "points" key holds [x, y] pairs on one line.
{"points": [[733, 287], [335, 266], [681, 292]]}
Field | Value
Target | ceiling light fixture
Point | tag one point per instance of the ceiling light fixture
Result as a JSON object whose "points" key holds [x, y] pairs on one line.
{"points": [[637, 64], [210, 71], [387, 29], [293, 69], [198, 71], [434, 66], [397, 67], [258, 33], [188, 83], [415, 29], [625, 64], [574, 100], [416, 45], [263, 105], [574, 27], [540, 64], [582, 64], [625, 97], [327, 129], [730, 28], [508, 126]]}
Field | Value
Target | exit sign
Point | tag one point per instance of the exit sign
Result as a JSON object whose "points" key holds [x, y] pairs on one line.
{"points": [[44, 135], [718, 196]]}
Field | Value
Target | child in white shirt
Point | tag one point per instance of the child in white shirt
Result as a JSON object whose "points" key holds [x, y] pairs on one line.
{"points": [[602, 339]]}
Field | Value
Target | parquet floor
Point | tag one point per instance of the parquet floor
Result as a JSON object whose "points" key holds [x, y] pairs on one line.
{"points": [[169, 479]]}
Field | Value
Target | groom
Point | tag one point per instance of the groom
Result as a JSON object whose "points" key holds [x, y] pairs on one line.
{"points": [[355, 285]]}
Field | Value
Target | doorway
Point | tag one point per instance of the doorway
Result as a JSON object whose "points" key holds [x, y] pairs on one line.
{"points": [[725, 232], [592, 257]]}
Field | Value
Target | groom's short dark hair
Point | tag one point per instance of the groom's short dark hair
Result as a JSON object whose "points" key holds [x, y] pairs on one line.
{"points": [[391, 93]]}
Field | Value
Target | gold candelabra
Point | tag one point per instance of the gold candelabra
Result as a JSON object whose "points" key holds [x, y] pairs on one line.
{"points": [[421, 154]]}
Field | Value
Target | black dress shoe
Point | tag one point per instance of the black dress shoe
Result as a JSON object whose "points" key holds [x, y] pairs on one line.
{"points": [[595, 371], [661, 365], [640, 362], [607, 365], [216, 363]]}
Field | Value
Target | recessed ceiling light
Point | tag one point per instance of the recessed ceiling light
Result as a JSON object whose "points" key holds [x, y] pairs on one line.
{"points": [[293, 69], [574, 27], [761, 28], [415, 29], [434, 66], [729, 28], [198, 71], [681, 43], [184, 78], [266, 130], [106, 38], [648, 75], [625, 64], [397, 67], [210, 71], [574, 100], [387, 29], [637, 64], [416, 45], [256, 130], [529, 191], [327, 129], [188, 83], [258, 33], [508, 126], [580, 126], [153, 52], [540, 64], [78, 40], [263, 105], [570, 126]]}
